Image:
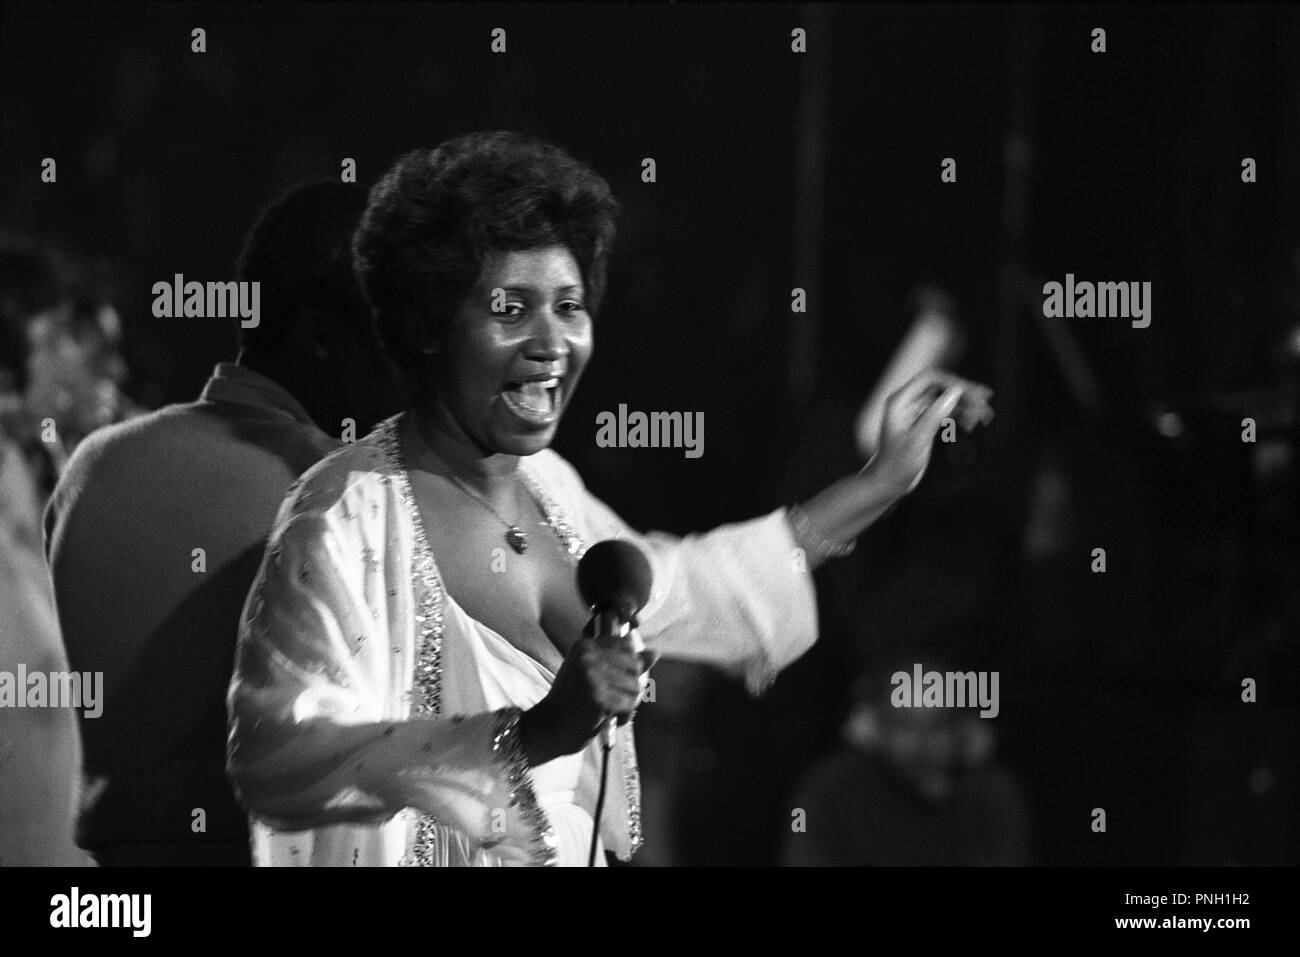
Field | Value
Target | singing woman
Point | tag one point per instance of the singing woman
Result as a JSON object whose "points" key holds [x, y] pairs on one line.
{"points": [[413, 683]]}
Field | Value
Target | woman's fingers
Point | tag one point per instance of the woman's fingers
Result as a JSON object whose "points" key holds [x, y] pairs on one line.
{"points": [[615, 671], [942, 407], [920, 394], [619, 678], [624, 660], [928, 380], [617, 681], [619, 700], [620, 704], [968, 402], [974, 410]]}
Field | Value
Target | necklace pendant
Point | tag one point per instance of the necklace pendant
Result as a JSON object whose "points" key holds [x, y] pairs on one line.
{"points": [[517, 540]]}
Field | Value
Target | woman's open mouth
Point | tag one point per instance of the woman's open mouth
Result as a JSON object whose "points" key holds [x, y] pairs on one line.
{"points": [[536, 401]]}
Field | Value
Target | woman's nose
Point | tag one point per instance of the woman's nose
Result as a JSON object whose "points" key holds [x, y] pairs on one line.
{"points": [[548, 340]]}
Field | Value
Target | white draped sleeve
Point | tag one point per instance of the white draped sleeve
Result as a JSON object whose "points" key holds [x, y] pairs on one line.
{"points": [[323, 729], [739, 597]]}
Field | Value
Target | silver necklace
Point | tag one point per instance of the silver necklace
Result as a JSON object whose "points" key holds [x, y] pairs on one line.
{"points": [[516, 538]]}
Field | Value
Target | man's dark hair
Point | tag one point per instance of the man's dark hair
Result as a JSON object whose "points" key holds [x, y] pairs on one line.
{"points": [[435, 216], [32, 280], [300, 250]]}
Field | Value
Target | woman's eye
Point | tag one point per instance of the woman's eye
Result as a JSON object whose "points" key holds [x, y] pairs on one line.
{"points": [[572, 306], [513, 309]]}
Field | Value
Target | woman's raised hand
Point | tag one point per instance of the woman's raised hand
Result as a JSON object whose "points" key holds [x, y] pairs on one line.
{"points": [[913, 416]]}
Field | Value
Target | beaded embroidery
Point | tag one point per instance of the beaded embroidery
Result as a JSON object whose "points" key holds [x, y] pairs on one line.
{"points": [[428, 679], [508, 748], [575, 547]]}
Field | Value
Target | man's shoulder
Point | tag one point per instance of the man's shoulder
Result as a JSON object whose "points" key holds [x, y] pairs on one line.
{"points": [[325, 483], [111, 460], [186, 445], [128, 441]]}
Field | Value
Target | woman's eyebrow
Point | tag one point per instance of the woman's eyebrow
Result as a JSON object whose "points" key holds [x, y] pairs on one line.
{"points": [[527, 288]]}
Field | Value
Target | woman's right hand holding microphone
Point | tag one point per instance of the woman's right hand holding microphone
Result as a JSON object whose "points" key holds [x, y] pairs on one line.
{"points": [[597, 680]]}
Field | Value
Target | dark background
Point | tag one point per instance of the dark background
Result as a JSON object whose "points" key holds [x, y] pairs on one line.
{"points": [[821, 171]]}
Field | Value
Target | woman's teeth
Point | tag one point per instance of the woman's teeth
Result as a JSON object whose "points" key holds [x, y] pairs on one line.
{"points": [[533, 400]]}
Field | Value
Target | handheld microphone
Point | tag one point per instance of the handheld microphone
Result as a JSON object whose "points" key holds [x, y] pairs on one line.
{"points": [[614, 579]]}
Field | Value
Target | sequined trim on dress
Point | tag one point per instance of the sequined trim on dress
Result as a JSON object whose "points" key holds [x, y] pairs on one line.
{"points": [[575, 547], [509, 751], [427, 683], [428, 677]]}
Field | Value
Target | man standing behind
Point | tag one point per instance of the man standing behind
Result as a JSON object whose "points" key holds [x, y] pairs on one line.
{"points": [[157, 527]]}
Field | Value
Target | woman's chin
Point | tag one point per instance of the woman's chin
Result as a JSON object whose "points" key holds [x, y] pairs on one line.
{"points": [[518, 434], [524, 441], [528, 445]]}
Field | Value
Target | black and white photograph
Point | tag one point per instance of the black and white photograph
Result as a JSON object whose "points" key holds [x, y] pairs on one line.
{"points": [[651, 435]]}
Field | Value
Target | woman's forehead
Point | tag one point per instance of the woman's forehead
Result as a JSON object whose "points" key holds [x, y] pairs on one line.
{"points": [[547, 267]]}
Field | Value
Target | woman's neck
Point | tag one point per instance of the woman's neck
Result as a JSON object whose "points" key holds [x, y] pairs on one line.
{"points": [[453, 451]]}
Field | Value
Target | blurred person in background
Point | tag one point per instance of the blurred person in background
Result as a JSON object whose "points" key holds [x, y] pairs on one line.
{"points": [[910, 786], [158, 525], [76, 374], [40, 752]]}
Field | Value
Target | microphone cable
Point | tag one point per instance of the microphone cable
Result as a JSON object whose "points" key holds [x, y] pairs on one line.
{"points": [[600, 803]]}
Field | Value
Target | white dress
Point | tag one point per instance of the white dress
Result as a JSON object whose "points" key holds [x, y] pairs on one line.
{"points": [[372, 719]]}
